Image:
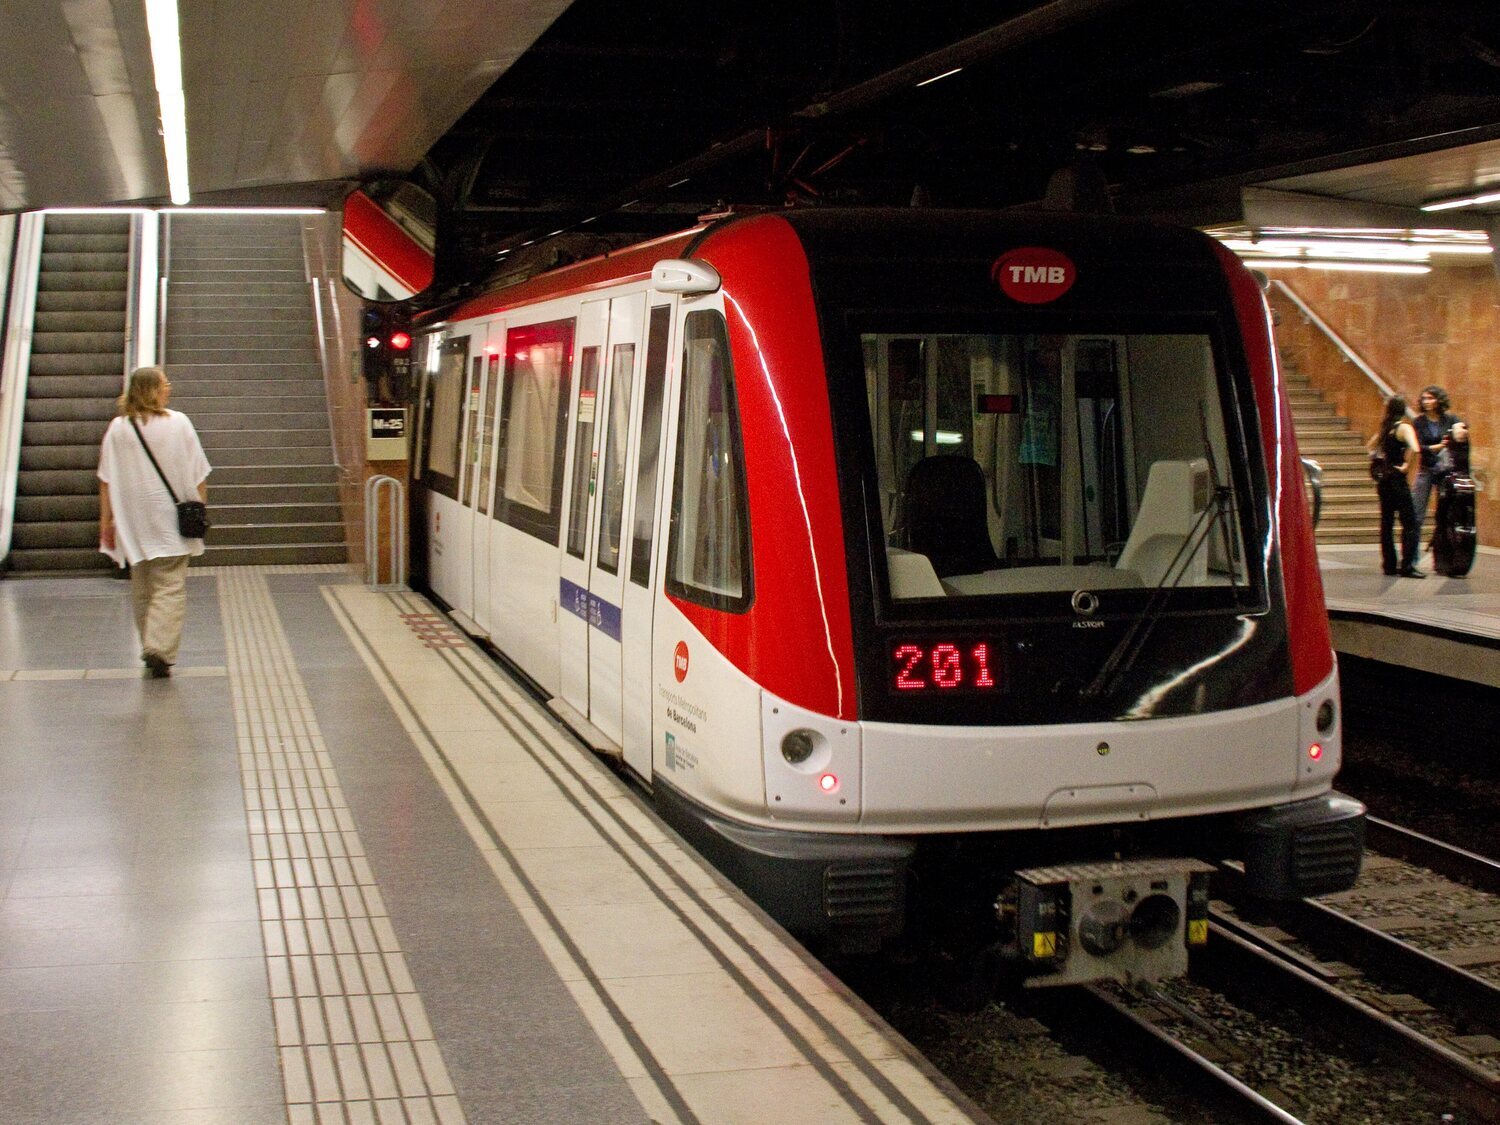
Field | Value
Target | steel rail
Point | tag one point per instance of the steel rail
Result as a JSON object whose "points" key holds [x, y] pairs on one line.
{"points": [[1447, 987], [1477, 871], [1231, 963], [1098, 1015]]}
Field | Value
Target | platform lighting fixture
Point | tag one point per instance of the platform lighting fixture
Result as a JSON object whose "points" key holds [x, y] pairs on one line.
{"points": [[166, 61], [939, 77], [1463, 201], [1347, 267]]}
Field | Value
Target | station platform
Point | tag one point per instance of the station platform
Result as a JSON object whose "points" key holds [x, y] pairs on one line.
{"points": [[1446, 626], [340, 868]]}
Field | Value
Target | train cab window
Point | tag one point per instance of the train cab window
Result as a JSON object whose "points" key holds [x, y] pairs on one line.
{"points": [[643, 516], [708, 551], [445, 415], [583, 452], [538, 364], [612, 476], [1029, 463]]}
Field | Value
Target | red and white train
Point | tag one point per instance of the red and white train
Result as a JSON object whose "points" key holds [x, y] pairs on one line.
{"points": [[937, 572]]}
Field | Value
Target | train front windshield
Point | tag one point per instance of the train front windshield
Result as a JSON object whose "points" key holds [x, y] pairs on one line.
{"points": [[1022, 463]]}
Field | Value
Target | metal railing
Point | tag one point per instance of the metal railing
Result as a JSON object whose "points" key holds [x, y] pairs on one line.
{"points": [[376, 488], [1385, 389]]}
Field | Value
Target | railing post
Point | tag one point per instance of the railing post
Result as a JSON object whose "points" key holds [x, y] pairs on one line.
{"points": [[376, 488]]}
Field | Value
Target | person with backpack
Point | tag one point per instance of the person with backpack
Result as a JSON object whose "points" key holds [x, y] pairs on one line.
{"points": [[1393, 450]]}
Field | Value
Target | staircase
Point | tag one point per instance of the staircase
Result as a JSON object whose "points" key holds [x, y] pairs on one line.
{"points": [[76, 373], [1351, 513], [242, 355]]}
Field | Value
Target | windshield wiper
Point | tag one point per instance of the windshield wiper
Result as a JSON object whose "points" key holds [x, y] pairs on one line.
{"points": [[1125, 653]]}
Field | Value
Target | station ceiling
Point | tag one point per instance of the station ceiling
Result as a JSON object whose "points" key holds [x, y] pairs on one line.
{"points": [[604, 119]]}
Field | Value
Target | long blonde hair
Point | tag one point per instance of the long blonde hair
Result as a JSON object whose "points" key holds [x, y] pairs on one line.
{"points": [[142, 398]]}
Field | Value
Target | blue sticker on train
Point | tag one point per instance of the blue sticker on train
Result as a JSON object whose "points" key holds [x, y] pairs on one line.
{"points": [[592, 608]]}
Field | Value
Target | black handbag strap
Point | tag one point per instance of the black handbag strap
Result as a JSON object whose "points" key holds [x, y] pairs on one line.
{"points": [[154, 465]]}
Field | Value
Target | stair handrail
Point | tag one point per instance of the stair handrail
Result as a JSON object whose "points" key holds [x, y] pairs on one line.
{"points": [[15, 363], [1385, 389]]}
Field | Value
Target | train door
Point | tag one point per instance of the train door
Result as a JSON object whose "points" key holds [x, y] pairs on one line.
{"points": [[582, 470], [622, 361], [488, 350], [638, 605]]}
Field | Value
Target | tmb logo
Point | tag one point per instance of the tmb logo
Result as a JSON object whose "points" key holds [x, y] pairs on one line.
{"points": [[1034, 275], [680, 661]]}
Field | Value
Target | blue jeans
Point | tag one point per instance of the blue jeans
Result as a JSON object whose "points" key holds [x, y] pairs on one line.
{"points": [[1421, 489]]}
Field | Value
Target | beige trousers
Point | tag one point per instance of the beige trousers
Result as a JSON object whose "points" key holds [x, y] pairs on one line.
{"points": [[159, 589]]}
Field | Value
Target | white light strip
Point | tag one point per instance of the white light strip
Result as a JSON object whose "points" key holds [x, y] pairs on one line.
{"points": [[936, 77], [185, 210], [1347, 267], [166, 61], [1466, 201]]}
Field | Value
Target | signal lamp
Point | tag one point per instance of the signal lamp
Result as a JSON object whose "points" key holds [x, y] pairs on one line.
{"points": [[372, 342], [1315, 751], [829, 783], [400, 341]]}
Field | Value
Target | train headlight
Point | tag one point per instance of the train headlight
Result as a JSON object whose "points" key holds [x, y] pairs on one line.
{"points": [[1327, 712], [798, 745]]}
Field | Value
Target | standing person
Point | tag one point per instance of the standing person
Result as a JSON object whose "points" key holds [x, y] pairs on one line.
{"points": [[1397, 440], [1433, 425], [137, 516]]}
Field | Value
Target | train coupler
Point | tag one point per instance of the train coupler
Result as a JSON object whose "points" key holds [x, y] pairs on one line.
{"points": [[1123, 920]]}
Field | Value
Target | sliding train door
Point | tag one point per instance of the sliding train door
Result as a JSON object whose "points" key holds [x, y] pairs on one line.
{"points": [[489, 347], [604, 627]]}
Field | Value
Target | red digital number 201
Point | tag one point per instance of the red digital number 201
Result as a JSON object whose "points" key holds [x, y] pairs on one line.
{"points": [[942, 666]]}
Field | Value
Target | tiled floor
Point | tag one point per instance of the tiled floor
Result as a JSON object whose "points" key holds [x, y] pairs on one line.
{"points": [[340, 869]]}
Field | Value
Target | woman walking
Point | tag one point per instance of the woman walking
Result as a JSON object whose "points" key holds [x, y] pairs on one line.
{"points": [[1396, 443], [138, 516]]}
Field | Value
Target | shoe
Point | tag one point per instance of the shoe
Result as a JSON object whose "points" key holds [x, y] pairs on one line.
{"points": [[1389, 573], [1412, 572], [156, 667]]}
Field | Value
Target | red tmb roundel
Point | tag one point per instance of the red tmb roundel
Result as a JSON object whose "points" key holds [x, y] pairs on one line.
{"points": [[680, 661], [1034, 275]]}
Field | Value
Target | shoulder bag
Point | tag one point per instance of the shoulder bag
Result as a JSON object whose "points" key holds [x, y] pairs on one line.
{"points": [[192, 515]]}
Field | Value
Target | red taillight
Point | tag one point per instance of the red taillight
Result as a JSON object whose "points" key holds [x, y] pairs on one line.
{"points": [[1315, 751], [828, 782], [400, 341]]}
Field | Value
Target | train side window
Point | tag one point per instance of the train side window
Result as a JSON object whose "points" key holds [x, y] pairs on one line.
{"points": [[583, 452], [644, 514], [533, 427], [612, 484], [708, 551], [445, 415], [486, 458], [472, 410]]}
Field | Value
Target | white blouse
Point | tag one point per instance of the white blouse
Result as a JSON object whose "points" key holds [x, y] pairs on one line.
{"points": [[145, 517]]}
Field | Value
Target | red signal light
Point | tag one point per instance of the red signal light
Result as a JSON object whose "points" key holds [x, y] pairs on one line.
{"points": [[400, 341], [1315, 751], [829, 783]]}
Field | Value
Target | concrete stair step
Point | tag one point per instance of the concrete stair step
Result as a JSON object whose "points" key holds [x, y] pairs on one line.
{"points": [[203, 406], [272, 351], [272, 534], [285, 475], [324, 494], [248, 456], [280, 555], [246, 378], [274, 512], [196, 324], [264, 421], [223, 441]]}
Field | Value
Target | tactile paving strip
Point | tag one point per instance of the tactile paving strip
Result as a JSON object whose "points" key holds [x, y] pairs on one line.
{"points": [[354, 1038]]}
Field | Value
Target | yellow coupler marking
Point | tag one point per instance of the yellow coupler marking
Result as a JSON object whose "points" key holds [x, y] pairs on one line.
{"points": [[1044, 945], [1197, 933]]}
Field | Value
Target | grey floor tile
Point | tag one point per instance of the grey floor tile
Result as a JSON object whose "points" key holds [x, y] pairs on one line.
{"points": [[557, 1105], [205, 1025]]}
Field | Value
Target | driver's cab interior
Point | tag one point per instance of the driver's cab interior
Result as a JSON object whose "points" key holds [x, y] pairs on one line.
{"points": [[1028, 463]]}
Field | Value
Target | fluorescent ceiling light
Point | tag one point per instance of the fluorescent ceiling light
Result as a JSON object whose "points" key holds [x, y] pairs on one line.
{"points": [[1463, 201], [166, 61], [935, 77], [1347, 267], [242, 210]]}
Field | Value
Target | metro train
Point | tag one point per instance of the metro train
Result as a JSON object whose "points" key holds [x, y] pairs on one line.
{"points": [[945, 577]]}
